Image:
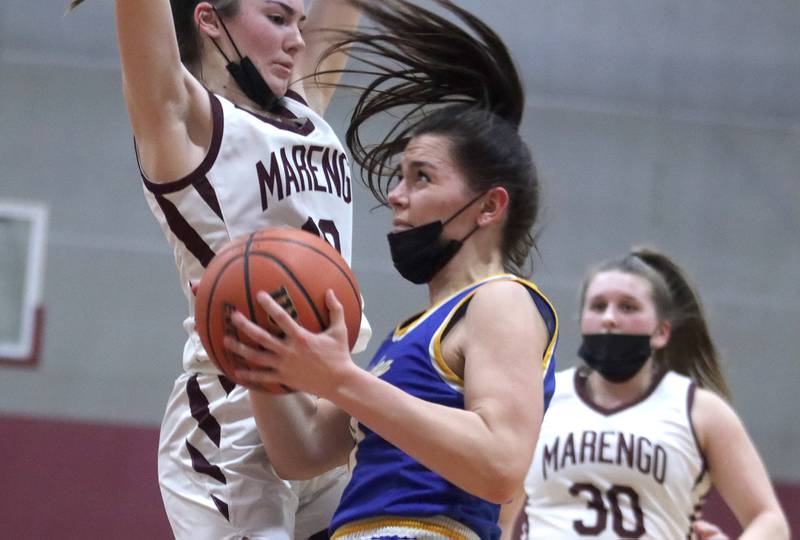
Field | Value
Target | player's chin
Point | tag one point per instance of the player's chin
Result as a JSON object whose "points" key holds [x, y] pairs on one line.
{"points": [[279, 85]]}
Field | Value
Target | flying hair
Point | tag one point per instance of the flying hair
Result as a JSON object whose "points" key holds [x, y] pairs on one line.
{"points": [[418, 61]]}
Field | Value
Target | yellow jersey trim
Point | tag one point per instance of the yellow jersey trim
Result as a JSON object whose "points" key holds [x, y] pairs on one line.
{"points": [[448, 374], [435, 527]]}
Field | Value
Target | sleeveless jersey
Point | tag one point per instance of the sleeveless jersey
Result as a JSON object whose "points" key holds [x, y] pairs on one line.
{"points": [[259, 172], [633, 472], [388, 488]]}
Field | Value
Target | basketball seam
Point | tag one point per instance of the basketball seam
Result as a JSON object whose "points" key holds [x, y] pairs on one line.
{"points": [[319, 252], [250, 307], [297, 282], [211, 295]]}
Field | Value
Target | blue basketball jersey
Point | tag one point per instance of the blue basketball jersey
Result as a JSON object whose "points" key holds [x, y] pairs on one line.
{"points": [[388, 488]]}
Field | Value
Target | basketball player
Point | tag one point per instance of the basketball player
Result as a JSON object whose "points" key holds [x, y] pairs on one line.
{"points": [[445, 421], [230, 138], [634, 439]]}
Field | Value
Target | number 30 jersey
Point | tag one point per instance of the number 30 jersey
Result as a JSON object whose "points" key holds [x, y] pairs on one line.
{"points": [[632, 472], [288, 170]]}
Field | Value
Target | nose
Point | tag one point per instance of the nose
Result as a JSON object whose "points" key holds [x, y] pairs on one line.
{"points": [[398, 196], [295, 42], [609, 319]]}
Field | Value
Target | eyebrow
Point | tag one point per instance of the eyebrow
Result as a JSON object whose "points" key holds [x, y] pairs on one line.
{"points": [[286, 7], [420, 163]]}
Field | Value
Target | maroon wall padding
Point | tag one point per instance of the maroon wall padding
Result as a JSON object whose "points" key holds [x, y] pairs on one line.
{"points": [[75, 480]]}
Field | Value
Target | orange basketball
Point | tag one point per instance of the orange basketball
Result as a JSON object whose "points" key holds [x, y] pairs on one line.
{"points": [[295, 267]]}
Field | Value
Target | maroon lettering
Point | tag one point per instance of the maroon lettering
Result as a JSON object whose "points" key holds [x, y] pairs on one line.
{"points": [[289, 174], [331, 171], [269, 179], [643, 458], [604, 445], [550, 457], [344, 167], [303, 174], [313, 169], [587, 443], [625, 448], [569, 450]]}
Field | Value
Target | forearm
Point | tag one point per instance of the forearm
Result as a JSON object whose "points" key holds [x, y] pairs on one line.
{"points": [[153, 76], [769, 524], [302, 437], [510, 513], [326, 20], [457, 444]]}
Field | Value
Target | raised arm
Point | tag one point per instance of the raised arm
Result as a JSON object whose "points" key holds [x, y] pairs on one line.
{"points": [[736, 468], [485, 449], [325, 18], [168, 108]]}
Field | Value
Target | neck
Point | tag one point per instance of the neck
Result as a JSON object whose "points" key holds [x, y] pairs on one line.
{"points": [[467, 267], [216, 78], [610, 395]]}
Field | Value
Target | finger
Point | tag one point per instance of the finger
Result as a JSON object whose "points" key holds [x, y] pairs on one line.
{"points": [[256, 333], [278, 314], [335, 308], [257, 379], [251, 358]]}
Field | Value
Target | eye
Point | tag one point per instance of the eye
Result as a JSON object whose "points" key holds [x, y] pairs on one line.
{"points": [[423, 177], [597, 306], [628, 308], [280, 20]]}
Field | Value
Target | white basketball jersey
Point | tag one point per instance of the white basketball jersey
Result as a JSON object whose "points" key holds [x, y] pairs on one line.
{"points": [[259, 172], [633, 472]]}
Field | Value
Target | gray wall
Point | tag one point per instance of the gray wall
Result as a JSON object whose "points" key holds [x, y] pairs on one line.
{"points": [[670, 123]]}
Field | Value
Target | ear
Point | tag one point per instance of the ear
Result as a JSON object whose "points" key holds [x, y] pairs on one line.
{"points": [[493, 207], [206, 20], [661, 336]]}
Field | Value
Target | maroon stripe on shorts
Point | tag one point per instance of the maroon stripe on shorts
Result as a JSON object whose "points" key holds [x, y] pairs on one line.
{"points": [[227, 384], [198, 403], [184, 232], [201, 465], [222, 506]]}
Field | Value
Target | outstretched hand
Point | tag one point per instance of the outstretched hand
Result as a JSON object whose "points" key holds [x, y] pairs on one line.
{"points": [[708, 531], [300, 359]]}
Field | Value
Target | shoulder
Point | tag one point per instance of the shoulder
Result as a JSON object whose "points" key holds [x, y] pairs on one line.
{"points": [[502, 297], [504, 307], [712, 416]]}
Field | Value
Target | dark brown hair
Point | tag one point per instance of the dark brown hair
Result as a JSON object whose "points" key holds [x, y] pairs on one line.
{"points": [[447, 75], [690, 349]]}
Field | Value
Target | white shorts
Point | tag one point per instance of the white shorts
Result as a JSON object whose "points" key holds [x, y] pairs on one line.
{"points": [[215, 477]]}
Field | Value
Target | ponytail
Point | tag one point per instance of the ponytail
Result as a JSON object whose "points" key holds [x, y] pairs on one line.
{"points": [[690, 350]]}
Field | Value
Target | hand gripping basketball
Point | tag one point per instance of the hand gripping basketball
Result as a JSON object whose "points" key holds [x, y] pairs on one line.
{"points": [[295, 269], [297, 358]]}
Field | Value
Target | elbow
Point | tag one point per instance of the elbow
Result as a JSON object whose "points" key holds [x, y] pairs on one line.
{"points": [[502, 483], [501, 490]]}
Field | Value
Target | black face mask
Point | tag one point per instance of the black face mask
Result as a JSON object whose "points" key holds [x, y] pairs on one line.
{"points": [[617, 357], [419, 253], [246, 76]]}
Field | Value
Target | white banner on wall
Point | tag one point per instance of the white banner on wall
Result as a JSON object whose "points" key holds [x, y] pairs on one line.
{"points": [[23, 238]]}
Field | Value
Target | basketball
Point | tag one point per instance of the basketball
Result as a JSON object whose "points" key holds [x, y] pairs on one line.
{"points": [[295, 267]]}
